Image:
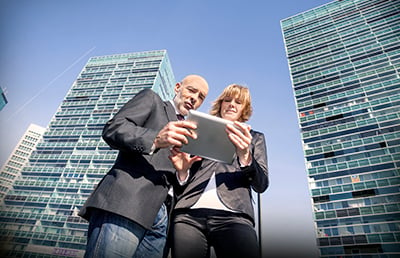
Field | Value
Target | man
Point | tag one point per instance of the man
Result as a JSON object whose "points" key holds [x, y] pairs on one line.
{"points": [[126, 213]]}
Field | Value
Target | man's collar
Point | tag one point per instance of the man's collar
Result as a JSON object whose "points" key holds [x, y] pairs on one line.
{"points": [[173, 104]]}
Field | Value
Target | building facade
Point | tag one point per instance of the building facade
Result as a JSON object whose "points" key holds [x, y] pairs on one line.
{"points": [[19, 157], [344, 62], [39, 215], [3, 99]]}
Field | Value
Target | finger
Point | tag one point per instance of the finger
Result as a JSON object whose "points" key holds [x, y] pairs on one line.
{"points": [[238, 142], [193, 134], [176, 149], [186, 132], [242, 128], [185, 124], [177, 141], [195, 159], [234, 139], [234, 131], [232, 128], [174, 152], [244, 136]]}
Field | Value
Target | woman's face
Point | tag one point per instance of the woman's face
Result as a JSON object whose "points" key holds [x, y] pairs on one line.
{"points": [[231, 108]]}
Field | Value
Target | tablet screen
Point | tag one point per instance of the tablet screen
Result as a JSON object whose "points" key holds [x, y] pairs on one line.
{"points": [[212, 140]]}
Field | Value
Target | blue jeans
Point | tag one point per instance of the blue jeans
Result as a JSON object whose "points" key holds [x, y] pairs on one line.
{"points": [[111, 235]]}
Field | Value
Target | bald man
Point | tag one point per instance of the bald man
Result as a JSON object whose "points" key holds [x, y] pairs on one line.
{"points": [[127, 210]]}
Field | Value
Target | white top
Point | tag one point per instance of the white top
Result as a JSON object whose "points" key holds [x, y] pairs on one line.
{"points": [[209, 198]]}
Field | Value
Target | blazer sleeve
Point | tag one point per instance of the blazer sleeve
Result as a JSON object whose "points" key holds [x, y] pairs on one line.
{"points": [[257, 172], [126, 131]]}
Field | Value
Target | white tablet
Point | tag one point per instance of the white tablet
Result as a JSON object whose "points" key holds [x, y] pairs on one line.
{"points": [[212, 140]]}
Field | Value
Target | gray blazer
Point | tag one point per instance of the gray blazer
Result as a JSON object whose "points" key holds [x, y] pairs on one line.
{"points": [[137, 184], [233, 182]]}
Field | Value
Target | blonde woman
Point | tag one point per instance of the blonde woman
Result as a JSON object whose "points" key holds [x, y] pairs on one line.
{"points": [[213, 199]]}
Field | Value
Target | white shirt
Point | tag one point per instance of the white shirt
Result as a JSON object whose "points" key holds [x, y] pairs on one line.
{"points": [[209, 198]]}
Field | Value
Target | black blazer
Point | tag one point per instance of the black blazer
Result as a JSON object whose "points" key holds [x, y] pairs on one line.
{"points": [[137, 185], [233, 182]]}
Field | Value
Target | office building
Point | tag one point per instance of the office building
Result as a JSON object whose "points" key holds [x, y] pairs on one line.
{"points": [[19, 157], [39, 215], [3, 99], [344, 62]]}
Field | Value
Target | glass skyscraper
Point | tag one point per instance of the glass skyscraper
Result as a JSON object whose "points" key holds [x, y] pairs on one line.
{"points": [[39, 217], [3, 99], [20, 155], [344, 61]]}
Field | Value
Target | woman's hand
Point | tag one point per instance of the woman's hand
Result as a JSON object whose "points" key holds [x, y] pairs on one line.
{"points": [[182, 162], [240, 136]]}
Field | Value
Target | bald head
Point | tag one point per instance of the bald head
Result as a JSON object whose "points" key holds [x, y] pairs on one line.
{"points": [[190, 93], [195, 79]]}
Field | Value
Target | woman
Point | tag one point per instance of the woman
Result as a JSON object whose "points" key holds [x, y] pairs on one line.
{"points": [[213, 199]]}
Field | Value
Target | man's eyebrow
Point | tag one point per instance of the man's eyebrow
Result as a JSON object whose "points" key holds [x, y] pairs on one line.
{"points": [[197, 90]]}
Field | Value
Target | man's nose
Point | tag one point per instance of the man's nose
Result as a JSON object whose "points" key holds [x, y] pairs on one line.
{"points": [[195, 98]]}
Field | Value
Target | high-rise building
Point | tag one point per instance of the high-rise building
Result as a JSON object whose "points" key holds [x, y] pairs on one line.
{"points": [[12, 168], [39, 215], [344, 61], [3, 99]]}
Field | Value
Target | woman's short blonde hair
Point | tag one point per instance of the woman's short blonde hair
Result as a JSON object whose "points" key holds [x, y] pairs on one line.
{"points": [[240, 92]]}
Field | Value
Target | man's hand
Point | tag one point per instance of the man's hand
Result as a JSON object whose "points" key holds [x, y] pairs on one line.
{"points": [[174, 134], [182, 162]]}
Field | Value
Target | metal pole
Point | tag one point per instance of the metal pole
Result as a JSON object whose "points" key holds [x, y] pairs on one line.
{"points": [[259, 222]]}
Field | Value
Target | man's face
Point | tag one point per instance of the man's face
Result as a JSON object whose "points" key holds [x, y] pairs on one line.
{"points": [[190, 94]]}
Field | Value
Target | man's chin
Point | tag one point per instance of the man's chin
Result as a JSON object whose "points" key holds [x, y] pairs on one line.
{"points": [[187, 109], [185, 112]]}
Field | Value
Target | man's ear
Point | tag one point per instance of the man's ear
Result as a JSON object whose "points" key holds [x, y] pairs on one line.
{"points": [[177, 88]]}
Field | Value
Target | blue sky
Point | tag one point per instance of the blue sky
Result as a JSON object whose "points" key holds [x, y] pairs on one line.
{"points": [[45, 44]]}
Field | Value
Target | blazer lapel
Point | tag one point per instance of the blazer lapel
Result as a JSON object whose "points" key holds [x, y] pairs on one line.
{"points": [[204, 169], [170, 111]]}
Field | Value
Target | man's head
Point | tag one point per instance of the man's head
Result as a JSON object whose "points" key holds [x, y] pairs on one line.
{"points": [[190, 93]]}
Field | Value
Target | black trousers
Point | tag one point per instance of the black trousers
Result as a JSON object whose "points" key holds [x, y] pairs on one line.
{"points": [[194, 231]]}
